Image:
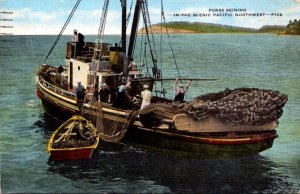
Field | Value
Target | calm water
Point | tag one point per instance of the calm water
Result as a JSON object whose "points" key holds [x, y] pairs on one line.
{"points": [[238, 60]]}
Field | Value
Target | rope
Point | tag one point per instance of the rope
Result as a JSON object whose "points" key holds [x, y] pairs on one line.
{"points": [[163, 16], [162, 89], [129, 14], [63, 29]]}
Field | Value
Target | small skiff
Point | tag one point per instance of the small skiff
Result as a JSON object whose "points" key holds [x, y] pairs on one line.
{"points": [[77, 138]]}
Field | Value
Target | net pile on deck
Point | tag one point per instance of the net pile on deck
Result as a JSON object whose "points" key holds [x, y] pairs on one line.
{"points": [[242, 106]]}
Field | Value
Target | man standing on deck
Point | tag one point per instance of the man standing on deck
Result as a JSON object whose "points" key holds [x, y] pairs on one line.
{"points": [[80, 94], [104, 93], [78, 41], [75, 37], [180, 91], [146, 96]]}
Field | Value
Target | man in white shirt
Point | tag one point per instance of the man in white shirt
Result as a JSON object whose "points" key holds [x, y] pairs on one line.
{"points": [[75, 37], [78, 41], [146, 96]]}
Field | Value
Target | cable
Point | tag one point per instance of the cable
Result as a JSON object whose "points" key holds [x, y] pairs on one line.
{"points": [[163, 15], [63, 29], [161, 55]]}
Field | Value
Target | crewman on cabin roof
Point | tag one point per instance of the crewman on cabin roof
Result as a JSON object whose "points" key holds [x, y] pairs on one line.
{"points": [[78, 41], [75, 36]]}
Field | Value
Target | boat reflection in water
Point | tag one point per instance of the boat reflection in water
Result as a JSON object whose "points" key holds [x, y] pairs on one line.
{"points": [[121, 168]]}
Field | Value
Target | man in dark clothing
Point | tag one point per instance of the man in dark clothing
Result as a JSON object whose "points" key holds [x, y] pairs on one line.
{"points": [[104, 93], [180, 91], [80, 94], [123, 99], [80, 44]]}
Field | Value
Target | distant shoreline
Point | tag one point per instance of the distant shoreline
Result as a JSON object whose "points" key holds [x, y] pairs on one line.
{"points": [[199, 28], [158, 29]]}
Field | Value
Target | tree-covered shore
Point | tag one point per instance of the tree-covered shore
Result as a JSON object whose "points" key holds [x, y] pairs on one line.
{"points": [[198, 27], [293, 27]]}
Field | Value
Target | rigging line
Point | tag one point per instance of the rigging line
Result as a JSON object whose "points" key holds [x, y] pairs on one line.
{"points": [[146, 21], [150, 27], [141, 58], [129, 14], [63, 29], [141, 51], [176, 65], [161, 55], [145, 58]]}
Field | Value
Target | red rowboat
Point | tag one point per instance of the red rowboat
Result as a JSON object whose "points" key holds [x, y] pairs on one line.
{"points": [[77, 138]]}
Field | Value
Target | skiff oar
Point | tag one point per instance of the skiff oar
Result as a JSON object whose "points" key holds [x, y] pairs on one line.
{"points": [[67, 134]]}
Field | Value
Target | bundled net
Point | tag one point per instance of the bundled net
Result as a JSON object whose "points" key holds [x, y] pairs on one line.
{"points": [[242, 106], [75, 135]]}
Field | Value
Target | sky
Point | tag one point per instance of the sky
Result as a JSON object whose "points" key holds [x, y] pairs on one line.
{"points": [[31, 17]]}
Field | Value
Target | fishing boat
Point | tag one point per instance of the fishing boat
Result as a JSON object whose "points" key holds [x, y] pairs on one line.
{"points": [[231, 122], [75, 139]]}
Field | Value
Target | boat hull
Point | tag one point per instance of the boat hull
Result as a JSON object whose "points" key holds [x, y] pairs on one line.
{"points": [[172, 141], [197, 147], [71, 153]]}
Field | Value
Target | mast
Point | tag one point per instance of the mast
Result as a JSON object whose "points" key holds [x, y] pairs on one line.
{"points": [[123, 37], [123, 4], [134, 28]]}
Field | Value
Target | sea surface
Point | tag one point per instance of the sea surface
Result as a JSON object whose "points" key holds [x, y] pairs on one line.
{"points": [[236, 60]]}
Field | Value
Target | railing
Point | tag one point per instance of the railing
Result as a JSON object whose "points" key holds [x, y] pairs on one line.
{"points": [[86, 53], [57, 90]]}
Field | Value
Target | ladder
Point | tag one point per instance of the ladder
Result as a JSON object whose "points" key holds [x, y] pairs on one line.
{"points": [[97, 51], [99, 40], [96, 62]]}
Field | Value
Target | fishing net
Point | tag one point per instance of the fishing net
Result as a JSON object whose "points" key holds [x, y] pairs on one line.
{"points": [[242, 106], [113, 130], [75, 134]]}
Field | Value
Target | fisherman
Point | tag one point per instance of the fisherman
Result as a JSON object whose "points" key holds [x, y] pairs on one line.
{"points": [[104, 93], [78, 41], [120, 96], [84, 131], [75, 36], [146, 97], [96, 92], [180, 91], [132, 65], [80, 94], [123, 99]]}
